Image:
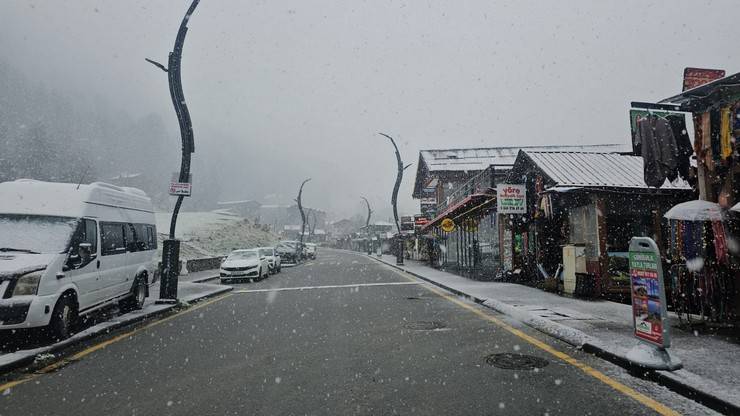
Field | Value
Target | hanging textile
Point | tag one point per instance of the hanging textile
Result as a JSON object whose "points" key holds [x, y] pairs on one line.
{"points": [[683, 143], [714, 134], [659, 150], [720, 242], [725, 132]]}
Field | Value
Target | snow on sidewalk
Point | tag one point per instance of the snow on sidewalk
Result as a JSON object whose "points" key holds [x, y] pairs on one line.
{"points": [[710, 361], [187, 293]]}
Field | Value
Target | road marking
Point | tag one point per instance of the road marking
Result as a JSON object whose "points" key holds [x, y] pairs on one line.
{"points": [[282, 289], [616, 385], [79, 355]]}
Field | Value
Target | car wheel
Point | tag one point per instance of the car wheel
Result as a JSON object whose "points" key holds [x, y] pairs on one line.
{"points": [[136, 299], [64, 317]]}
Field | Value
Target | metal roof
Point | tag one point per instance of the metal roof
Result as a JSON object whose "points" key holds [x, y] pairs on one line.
{"points": [[476, 159], [588, 169]]}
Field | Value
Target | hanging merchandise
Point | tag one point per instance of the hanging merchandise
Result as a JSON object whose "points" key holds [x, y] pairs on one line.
{"points": [[714, 135], [725, 132], [683, 143], [720, 242], [659, 150]]}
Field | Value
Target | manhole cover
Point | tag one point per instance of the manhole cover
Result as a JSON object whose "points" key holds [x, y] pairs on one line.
{"points": [[511, 361], [424, 325]]}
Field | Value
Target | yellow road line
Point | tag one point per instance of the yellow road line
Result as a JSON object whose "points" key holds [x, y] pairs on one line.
{"points": [[616, 385], [54, 366]]}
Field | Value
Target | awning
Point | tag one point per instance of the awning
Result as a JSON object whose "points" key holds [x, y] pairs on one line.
{"points": [[695, 211], [460, 207]]}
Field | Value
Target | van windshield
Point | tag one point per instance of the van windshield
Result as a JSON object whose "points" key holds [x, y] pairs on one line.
{"points": [[35, 233]]}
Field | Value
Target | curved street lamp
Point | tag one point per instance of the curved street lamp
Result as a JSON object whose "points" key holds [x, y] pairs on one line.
{"points": [[367, 227], [298, 200], [171, 246], [394, 198]]}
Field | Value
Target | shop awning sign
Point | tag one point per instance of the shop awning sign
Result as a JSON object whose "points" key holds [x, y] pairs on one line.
{"points": [[511, 199], [447, 225]]}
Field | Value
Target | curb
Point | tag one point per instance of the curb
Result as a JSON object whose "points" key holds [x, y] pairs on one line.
{"points": [[204, 279], [54, 348], [589, 345]]}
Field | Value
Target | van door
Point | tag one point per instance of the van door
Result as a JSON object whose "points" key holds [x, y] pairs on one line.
{"points": [[83, 260], [113, 259]]}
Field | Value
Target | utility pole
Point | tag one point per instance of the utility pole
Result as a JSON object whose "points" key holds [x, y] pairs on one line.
{"points": [[394, 198], [171, 246], [367, 227], [299, 249]]}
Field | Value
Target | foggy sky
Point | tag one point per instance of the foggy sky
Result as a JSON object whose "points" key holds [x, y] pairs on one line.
{"points": [[284, 90]]}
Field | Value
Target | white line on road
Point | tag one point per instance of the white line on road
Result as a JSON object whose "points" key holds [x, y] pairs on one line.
{"points": [[281, 289]]}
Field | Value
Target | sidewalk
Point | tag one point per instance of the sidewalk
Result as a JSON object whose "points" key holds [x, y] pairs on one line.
{"points": [[711, 371], [188, 292], [200, 277]]}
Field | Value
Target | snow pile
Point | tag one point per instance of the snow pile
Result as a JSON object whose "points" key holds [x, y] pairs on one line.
{"points": [[209, 234]]}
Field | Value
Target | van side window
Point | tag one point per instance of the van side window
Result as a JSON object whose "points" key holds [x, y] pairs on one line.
{"points": [[151, 237], [131, 245], [113, 240], [86, 233], [141, 239]]}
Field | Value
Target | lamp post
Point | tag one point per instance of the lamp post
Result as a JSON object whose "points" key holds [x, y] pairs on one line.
{"points": [[394, 198], [367, 227], [171, 246], [298, 200]]}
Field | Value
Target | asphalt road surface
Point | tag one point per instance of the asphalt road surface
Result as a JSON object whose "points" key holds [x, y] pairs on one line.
{"points": [[339, 335]]}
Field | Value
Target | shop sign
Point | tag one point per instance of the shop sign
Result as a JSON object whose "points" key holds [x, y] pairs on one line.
{"points": [[511, 199], [695, 77], [178, 188], [407, 223], [447, 225], [429, 201], [648, 292]]}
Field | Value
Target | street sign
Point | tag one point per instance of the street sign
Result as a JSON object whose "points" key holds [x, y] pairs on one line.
{"points": [[648, 293], [448, 225], [511, 199], [178, 188]]}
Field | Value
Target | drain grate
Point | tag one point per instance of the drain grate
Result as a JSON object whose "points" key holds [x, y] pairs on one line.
{"points": [[425, 325], [511, 361]]}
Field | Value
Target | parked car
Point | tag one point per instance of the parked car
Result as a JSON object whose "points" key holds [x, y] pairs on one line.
{"points": [[273, 259], [287, 251], [244, 264], [311, 250], [67, 250]]}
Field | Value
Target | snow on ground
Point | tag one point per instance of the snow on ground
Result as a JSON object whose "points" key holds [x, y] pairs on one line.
{"points": [[215, 233]]}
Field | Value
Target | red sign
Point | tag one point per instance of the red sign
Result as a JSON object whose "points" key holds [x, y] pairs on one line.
{"points": [[695, 77]]}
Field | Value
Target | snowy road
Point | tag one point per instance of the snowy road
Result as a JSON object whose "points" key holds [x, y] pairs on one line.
{"points": [[342, 335]]}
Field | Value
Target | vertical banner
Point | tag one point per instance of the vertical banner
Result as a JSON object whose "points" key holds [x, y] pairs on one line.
{"points": [[648, 292]]}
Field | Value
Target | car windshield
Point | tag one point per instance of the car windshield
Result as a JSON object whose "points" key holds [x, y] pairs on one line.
{"points": [[35, 233], [242, 255], [478, 207]]}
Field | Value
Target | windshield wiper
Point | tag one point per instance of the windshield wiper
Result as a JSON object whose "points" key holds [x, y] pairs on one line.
{"points": [[21, 250]]}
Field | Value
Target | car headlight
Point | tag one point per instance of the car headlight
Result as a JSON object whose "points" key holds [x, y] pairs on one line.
{"points": [[27, 284]]}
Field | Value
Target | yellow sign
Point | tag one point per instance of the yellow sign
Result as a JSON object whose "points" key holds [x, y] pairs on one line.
{"points": [[448, 225]]}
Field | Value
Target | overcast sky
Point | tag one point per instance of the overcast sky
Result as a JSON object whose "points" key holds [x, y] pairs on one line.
{"points": [[300, 88]]}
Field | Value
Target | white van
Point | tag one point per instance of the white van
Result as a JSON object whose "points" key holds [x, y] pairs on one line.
{"points": [[68, 249]]}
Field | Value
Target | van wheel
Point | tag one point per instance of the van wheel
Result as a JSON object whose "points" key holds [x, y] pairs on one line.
{"points": [[64, 318], [137, 297]]}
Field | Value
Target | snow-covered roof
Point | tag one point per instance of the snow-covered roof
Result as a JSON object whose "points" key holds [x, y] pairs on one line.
{"points": [[587, 169], [291, 227], [319, 232], [480, 158], [383, 223], [26, 196]]}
